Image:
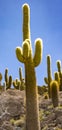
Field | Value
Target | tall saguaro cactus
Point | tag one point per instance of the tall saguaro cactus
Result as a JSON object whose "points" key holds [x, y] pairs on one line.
{"points": [[24, 55]]}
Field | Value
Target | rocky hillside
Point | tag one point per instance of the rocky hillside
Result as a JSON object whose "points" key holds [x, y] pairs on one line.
{"points": [[13, 111]]}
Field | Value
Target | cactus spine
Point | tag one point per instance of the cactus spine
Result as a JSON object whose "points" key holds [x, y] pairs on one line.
{"points": [[24, 55], [60, 74], [54, 88], [49, 73]]}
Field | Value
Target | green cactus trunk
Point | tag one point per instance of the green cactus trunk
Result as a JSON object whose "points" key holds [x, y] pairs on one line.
{"points": [[32, 111]]}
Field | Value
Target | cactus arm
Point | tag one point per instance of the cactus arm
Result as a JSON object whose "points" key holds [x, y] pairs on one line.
{"points": [[20, 74], [56, 77], [49, 68], [25, 49], [60, 73], [10, 81], [6, 77], [19, 54], [17, 83], [59, 66], [46, 80], [38, 52], [14, 84]]}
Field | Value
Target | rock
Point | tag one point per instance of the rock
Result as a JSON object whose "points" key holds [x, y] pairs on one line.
{"points": [[11, 106], [7, 126]]}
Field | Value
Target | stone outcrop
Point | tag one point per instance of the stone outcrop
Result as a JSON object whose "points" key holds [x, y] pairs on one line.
{"points": [[12, 111]]}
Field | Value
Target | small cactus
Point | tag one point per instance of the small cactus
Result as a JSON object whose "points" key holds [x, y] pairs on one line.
{"points": [[17, 84], [22, 85], [8, 79], [60, 73], [54, 90], [0, 78], [20, 74], [56, 77], [48, 79]]}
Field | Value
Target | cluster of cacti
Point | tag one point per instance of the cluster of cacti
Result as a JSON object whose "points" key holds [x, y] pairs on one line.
{"points": [[53, 85], [19, 83], [24, 55], [48, 79], [8, 81]]}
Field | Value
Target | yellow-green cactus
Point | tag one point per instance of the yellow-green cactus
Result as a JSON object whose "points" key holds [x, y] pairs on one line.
{"points": [[22, 85], [56, 77], [48, 79], [60, 73], [54, 90], [17, 84], [26, 22], [24, 55], [8, 79], [20, 74], [0, 78]]}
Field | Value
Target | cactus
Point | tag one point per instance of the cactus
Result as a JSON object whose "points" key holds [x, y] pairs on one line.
{"points": [[20, 74], [56, 77], [19, 83], [60, 73], [54, 90], [8, 79], [48, 79], [16, 84], [22, 85], [24, 55], [0, 78]]}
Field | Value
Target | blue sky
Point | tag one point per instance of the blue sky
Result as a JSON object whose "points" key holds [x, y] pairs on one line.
{"points": [[46, 23]]}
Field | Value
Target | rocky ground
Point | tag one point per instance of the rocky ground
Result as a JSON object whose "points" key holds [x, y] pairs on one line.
{"points": [[12, 111]]}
